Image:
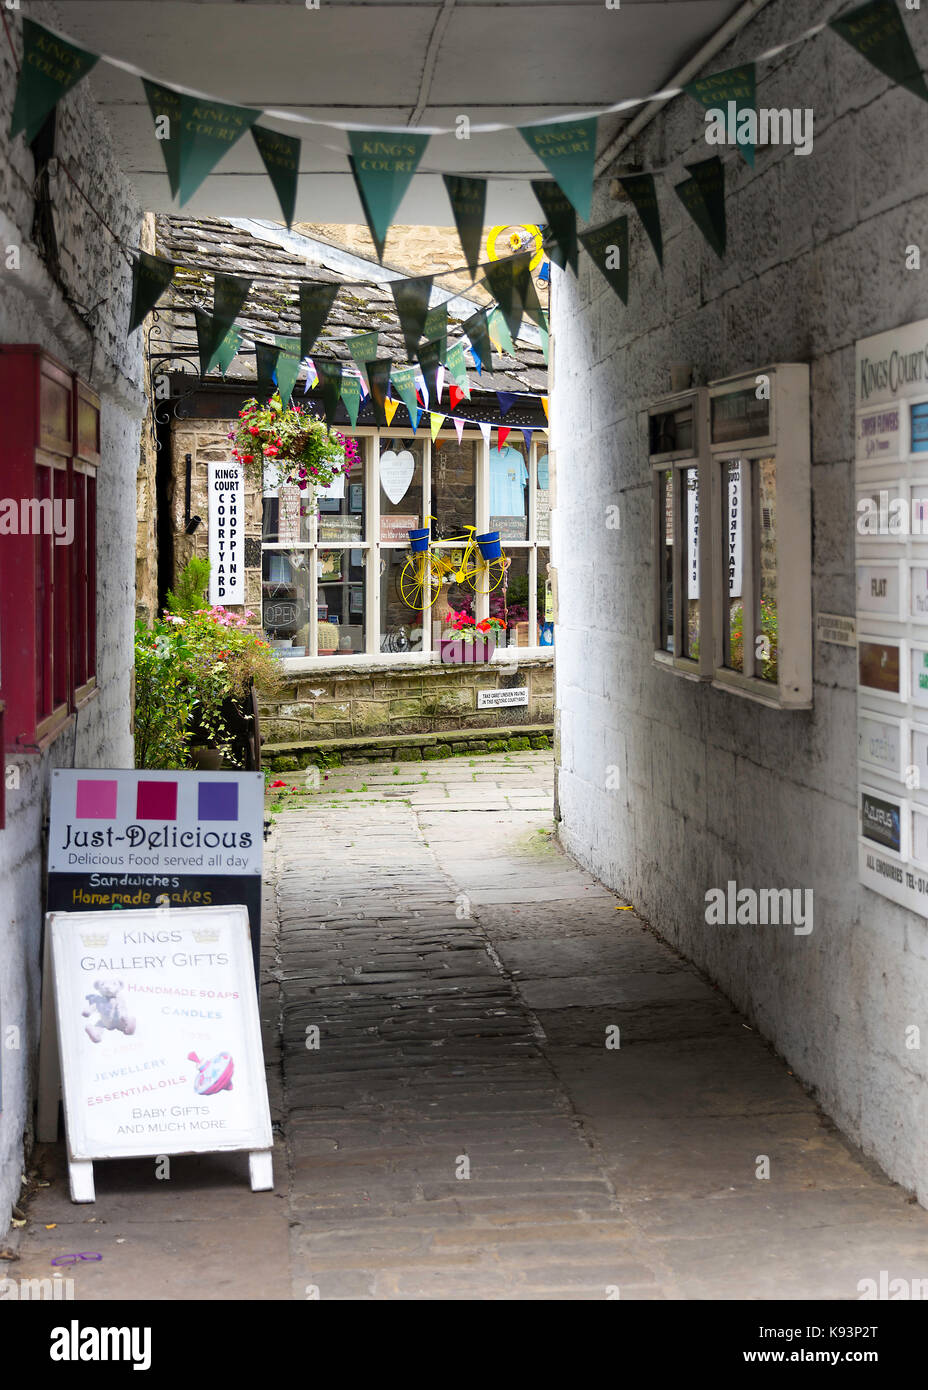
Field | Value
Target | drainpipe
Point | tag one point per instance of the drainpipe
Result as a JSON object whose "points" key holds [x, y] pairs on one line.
{"points": [[732, 26]]}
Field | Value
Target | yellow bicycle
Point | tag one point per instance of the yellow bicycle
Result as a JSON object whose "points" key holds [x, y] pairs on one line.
{"points": [[480, 564]]}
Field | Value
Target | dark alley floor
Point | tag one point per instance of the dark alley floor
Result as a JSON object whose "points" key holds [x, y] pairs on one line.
{"points": [[464, 1129]]}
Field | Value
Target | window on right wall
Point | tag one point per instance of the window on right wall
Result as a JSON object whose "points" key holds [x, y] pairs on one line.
{"points": [[761, 574]]}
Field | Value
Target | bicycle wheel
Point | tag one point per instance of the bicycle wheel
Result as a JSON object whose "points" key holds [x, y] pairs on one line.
{"points": [[439, 570], [494, 570], [412, 583]]}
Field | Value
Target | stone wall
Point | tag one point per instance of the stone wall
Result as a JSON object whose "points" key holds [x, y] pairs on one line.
{"points": [[373, 699], [667, 787], [35, 308]]}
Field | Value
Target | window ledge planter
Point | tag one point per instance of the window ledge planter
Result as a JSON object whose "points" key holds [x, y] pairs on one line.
{"points": [[456, 651]]}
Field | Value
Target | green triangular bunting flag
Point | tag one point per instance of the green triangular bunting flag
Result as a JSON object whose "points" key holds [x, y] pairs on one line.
{"points": [[412, 306], [729, 94], [351, 395], [457, 367], [404, 379], [498, 329], [151, 276], [165, 106], [383, 165], [703, 196], [378, 374], [876, 31], [506, 281], [642, 190], [207, 130], [315, 302], [229, 294], [363, 349], [330, 383], [288, 369], [468, 203], [608, 247], [479, 338], [215, 351], [561, 218], [281, 156], [568, 149], [436, 327], [265, 367], [50, 68]]}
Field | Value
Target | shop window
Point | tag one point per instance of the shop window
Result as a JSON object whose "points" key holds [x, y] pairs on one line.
{"points": [[454, 487], [542, 502], [762, 570], [401, 490], [48, 543], [341, 602], [402, 626], [509, 492], [677, 432]]}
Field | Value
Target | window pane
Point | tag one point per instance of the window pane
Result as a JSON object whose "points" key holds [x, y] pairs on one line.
{"points": [[766, 666], [43, 601], [665, 512], [400, 625], [509, 492], [545, 612], [341, 515], [542, 502], [691, 531], [287, 516], [454, 492], [733, 530], [285, 593], [401, 463], [342, 615], [511, 601]]}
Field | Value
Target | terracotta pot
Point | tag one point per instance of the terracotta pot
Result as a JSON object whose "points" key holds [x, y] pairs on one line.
{"points": [[456, 652]]}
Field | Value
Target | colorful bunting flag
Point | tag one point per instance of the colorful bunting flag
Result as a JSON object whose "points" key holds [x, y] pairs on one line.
{"points": [[404, 379], [151, 276], [568, 149], [351, 395], [507, 282], [315, 302], [502, 435], [207, 130], [458, 428], [436, 422], [498, 330], [411, 298], [561, 218], [430, 361], [330, 377], [507, 400], [383, 165], [478, 336], [378, 376], [730, 93], [265, 369], [527, 436], [876, 30], [51, 67], [363, 348], [281, 156], [642, 191], [457, 368], [455, 396], [608, 247], [165, 107], [485, 431], [544, 405], [468, 203], [390, 407], [703, 196]]}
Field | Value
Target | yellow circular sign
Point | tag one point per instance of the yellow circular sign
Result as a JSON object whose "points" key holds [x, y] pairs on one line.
{"points": [[517, 239]]}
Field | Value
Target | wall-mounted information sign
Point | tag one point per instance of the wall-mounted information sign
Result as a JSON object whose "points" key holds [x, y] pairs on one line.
{"points": [[226, 533], [739, 415], [891, 445]]}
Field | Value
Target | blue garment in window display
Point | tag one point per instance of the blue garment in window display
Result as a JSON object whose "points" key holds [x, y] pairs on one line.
{"points": [[508, 476], [543, 472]]}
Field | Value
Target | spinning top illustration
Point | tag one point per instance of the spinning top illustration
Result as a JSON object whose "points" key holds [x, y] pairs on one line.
{"points": [[214, 1075]]}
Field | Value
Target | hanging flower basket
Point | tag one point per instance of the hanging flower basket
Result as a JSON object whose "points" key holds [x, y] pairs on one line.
{"points": [[302, 449]]}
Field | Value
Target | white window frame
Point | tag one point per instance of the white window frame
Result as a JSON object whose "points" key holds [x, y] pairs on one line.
{"points": [[787, 441], [679, 462], [369, 439]]}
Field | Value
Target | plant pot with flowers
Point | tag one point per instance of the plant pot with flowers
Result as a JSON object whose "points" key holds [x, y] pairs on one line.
{"points": [[304, 454], [465, 641]]}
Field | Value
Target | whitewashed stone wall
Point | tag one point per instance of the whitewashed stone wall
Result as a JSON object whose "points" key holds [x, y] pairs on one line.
{"points": [[714, 787], [33, 309]]}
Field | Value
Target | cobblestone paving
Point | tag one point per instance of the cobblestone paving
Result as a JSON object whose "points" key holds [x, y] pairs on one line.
{"points": [[461, 1129]]}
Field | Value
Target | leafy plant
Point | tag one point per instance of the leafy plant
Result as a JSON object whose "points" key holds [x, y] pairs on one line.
{"points": [[304, 450], [192, 586]]}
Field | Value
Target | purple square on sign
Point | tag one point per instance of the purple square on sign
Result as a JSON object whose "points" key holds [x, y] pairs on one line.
{"points": [[156, 801], [217, 801], [96, 800]]}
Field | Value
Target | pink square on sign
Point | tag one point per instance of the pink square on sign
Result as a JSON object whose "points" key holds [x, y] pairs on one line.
{"points": [[96, 800], [156, 801]]}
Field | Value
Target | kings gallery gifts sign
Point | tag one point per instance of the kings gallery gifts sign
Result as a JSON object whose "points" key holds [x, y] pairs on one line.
{"points": [[143, 839]]}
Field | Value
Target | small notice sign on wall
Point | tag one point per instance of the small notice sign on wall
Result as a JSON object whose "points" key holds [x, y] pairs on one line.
{"points": [[833, 627], [226, 533], [160, 1041], [500, 699]]}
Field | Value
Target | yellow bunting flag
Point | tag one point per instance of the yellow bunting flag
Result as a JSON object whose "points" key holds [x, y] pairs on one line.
{"points": [[390, 408], [544, 402], [437, 420]]}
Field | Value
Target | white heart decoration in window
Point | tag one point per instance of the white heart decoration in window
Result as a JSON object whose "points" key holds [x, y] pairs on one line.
{"points": [[396, 472]]}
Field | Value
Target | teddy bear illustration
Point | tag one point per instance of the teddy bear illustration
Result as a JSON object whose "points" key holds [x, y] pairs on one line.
{"points": [[110, 1008]]}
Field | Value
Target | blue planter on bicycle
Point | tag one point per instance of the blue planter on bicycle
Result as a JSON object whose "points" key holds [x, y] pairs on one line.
{"points": [[490, 547], [419, 540]]}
